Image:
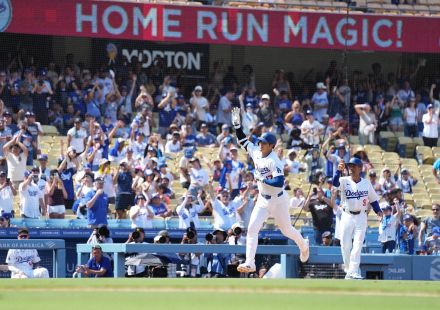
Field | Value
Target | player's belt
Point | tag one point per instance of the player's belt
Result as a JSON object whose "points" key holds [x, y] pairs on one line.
{"points": [[353, 212], [267, 197]]}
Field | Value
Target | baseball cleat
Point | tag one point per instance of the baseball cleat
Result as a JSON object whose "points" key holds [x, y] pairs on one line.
{"points": [[353, 276], [246, 268], [304, 255], [356, 276]]}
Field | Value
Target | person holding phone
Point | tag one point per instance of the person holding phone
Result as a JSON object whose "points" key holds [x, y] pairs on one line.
{"points": [[56, 196], [7, 193]]}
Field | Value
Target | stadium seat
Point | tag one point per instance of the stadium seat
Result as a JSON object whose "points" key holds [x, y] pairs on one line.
{"points": [[78, 223], [159, 223], [113, 223], [17, 222], [58, 223], [35, 223], [172, 223], [125, 223]]}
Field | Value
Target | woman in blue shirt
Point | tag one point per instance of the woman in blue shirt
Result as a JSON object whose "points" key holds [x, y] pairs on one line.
{"points": [[407, 234]]}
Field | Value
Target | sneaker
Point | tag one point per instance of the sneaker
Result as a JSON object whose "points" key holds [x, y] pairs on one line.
{"points": [[356, 276], [304, 255], [246, 268], [348, 276]]}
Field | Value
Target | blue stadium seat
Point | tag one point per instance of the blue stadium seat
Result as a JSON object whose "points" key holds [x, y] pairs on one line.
{"points": [[159, 223], [113, 223], [17, 221], [206, 224], [125, 224], [58, 223], [78, 223], [172, 223], [35, 223]]}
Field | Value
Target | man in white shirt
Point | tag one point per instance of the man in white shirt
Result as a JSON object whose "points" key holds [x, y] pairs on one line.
{"points": [[430, 127], [320, 101], [198, 175], [77, 136], [31, 198], [173, 145], [188, 211], [199, 104], [7, 193], [141, 214], [311, 129], [224, 109], [223, 217], [16, 155], [23, 263], [298, 199]]}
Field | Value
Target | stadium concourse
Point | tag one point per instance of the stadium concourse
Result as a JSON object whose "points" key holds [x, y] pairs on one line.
{"points": [[126, 144]]}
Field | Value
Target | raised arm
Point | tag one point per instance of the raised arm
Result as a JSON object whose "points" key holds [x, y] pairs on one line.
{"points": [[241, 137]]}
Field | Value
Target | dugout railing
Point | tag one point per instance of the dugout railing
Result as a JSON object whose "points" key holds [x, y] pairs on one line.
{"points": [[289, 255]]}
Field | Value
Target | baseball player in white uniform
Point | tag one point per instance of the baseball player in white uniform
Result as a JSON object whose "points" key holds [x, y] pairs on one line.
{"points": [[357, 194], [272, 198], [21, 263]]}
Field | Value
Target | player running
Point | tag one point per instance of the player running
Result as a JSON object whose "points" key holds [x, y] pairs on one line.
{"points": [[272, 199], [356, 194]]}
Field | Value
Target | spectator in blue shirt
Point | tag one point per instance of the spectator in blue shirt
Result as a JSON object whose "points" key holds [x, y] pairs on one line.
{"points": [[124, 194], [67, 169], [159, 208], [189, 139], [407, 234], [205, 138], [96, 202], [98, 266]]}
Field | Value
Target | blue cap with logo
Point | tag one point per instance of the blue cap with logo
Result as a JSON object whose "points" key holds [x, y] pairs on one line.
{"points": [[355, 161], [268, 137], [436, 231]]}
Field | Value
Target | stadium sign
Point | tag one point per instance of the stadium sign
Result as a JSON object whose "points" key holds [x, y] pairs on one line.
{"points": [[222, 25], [193, 58]]}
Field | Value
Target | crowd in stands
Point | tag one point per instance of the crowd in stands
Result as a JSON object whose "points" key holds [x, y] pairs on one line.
{"points": [[138, 140]]}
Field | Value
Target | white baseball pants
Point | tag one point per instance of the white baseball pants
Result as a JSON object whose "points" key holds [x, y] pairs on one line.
{"points": [[278, 208], [39, 272], [353, 228]]}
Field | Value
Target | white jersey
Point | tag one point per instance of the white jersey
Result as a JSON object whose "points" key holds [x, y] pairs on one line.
{"points": [[356, 196], [266, 168], [223, 219], [23, 260], [388, 228]]}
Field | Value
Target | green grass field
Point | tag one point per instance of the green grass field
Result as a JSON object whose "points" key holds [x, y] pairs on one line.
{"points": [[224, 294]]}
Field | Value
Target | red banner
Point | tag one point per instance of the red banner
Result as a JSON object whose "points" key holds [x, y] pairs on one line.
{"points": [[219, 25]]}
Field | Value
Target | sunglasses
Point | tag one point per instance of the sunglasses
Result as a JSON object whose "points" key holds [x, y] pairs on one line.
{"points": [[23, 236], [2, 219], [435, 210]]}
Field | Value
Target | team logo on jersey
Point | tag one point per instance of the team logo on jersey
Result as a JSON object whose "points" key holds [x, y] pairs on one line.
{"points": [[355, 195], [5, 14]]}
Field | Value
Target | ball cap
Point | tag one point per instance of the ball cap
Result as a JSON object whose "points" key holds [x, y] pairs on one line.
{"points": [[436, 231], [407, 217], [355, 161], [268, 137], [265, 96]]}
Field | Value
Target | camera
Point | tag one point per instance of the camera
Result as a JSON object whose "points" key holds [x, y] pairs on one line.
{"points": [[209, 237], [237, 231], [315, 191], [160, 239], [190, 233], [135, 235], [35, 178]]}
